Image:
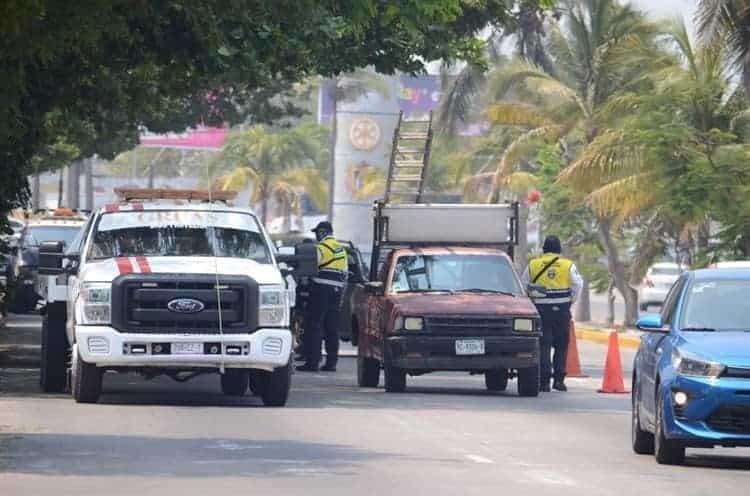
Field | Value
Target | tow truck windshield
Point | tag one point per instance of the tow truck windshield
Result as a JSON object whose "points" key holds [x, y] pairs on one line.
{"points": [[454, 274], [179, 234]]}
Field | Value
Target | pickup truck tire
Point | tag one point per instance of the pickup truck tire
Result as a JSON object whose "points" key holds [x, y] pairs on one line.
{"points": [[368, 370], [53, 372], [274, 390], [528, 381], [234, 382], [496, 380], [354, 337], [395, 378], [86, 381]]}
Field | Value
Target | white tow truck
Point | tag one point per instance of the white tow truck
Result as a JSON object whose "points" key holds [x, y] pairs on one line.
{"points": [[173, 282]]}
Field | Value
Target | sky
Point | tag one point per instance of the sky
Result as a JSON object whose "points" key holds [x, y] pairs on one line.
{"points": [[669, 8]]}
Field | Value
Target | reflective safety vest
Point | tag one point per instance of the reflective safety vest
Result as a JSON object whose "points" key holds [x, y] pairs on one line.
{"points": [[553, 272], [332, 262]]}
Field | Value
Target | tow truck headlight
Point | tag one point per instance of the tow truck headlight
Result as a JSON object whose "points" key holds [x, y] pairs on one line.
{"points": [[96, 303], [523, 325], [272, 311], [689, 364], [408, 323]]}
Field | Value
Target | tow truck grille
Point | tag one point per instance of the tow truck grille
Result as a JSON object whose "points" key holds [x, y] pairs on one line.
{"points": [[468, 325], [140, 304], [734, 419]]}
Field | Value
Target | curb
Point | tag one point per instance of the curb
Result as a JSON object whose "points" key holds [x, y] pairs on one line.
{"points": [[601, 336]]}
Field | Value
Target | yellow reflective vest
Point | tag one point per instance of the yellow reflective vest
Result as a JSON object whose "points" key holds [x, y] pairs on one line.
{"points": [[333, 262], [554, 276]]}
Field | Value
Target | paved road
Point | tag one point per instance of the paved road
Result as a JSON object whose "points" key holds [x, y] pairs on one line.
{"points": [[445, 436]]}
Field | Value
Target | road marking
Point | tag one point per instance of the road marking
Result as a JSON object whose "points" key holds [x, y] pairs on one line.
{"points": [[478, 459]]}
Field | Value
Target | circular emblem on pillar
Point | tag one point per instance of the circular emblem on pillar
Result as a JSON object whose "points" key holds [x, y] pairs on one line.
{"points": [[364, 134]]}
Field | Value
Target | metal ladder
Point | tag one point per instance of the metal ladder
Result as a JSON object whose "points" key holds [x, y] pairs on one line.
{"points": [[410, 156]]}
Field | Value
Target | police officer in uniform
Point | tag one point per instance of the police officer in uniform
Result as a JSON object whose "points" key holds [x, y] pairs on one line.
{"points": [[324, 306], [563, 284]]}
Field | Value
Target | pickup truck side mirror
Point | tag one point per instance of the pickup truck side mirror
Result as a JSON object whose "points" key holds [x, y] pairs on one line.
{"points": [[304, 261], [375, 288], [51, 254]]}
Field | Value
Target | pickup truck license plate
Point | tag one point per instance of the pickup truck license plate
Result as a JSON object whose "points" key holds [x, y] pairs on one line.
{"points": [[470, 347], [187, 348]]}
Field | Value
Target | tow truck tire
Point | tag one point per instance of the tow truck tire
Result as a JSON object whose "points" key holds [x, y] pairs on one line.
{"points": [[86, 380], [234, 382], [496, 380], [395, 378], [276, 385], [528, 382], [52, 370]]}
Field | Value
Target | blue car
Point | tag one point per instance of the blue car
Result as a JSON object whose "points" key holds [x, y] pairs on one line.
{"points": [[691, 378]]}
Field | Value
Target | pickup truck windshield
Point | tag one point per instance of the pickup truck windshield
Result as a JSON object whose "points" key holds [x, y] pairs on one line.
{"points": [[179, 234], [454, 273]]}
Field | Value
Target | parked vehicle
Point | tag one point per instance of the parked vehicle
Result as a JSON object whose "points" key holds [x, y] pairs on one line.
{"points": [[167, 282], [60, 225], [443, 296], [691, 378], [655, 286]]}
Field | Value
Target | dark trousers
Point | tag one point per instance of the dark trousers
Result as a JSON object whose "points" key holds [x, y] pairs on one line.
{"points": [[324, 320], [555, 334]]}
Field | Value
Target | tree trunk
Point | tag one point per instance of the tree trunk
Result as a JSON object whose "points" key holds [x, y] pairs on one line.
{"points": [[611, 304], [583, 305], [264, 203], [60, 183], [617, 271], [332, 145], [73, 182]]}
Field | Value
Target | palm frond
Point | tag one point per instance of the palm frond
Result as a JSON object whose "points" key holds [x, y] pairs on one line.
{"points": [[239, 179], [516, 114], [526, 144], [625, 198]]}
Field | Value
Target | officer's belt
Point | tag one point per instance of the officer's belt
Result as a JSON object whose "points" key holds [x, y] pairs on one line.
{"points": [[331, 277], [329, 282], [555, 297]]}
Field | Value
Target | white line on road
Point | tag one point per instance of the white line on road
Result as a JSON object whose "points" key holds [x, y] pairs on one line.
{"points": [[479, 459]]}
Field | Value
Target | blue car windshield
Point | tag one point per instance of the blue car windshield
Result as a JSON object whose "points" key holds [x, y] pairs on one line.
{"points": [[718, 305]]}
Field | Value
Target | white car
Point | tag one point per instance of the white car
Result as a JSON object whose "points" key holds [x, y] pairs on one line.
{"points": [[655, 286], [173, 287]]}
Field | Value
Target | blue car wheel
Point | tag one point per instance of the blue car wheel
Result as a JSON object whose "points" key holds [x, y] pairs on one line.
{"points": [[643, 441], [667, 451]]}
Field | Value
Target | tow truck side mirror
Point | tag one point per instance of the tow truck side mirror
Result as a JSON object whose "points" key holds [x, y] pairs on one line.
{"points": [[375, 288], [304, 261], [51, 254]]}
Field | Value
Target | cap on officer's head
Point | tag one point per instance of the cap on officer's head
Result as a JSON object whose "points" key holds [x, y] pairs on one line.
{"points": [[552, 245], [323, 226]]}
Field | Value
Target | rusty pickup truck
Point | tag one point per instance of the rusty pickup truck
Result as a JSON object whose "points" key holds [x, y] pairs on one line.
{"points": [[443, 295]]}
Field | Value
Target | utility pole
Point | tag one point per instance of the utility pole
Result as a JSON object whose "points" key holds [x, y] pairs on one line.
{"points": [[73, 185], [89, 180]]}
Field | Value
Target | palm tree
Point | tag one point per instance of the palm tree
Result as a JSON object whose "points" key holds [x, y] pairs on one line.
{"points": [[728, 22], [600, 49]]}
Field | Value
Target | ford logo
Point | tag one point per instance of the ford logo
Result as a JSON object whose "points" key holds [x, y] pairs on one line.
{"points": [[185, 305]]}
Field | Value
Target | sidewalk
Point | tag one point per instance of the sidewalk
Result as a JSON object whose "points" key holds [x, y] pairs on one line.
{"points": [[599, 333]]}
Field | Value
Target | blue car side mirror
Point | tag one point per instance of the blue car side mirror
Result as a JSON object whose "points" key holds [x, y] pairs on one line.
{"points": [[651, 322]]}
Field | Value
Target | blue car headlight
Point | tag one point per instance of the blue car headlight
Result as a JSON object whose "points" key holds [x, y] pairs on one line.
{"points": [[690, 364]]}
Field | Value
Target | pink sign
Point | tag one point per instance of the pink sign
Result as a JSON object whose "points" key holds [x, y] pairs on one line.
{"points": [[201, 138]]}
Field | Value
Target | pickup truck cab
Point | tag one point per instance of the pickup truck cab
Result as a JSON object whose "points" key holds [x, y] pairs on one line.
{"points": [[446, 299], [168, 284]]}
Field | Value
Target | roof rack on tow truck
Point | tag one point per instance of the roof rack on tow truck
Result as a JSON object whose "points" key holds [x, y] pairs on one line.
{"points": [[130, 194]]}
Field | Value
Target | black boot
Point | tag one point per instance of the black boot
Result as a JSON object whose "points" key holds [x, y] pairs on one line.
{"points": [[559, 385], [544, 387], [307, 368], [328, 368]]}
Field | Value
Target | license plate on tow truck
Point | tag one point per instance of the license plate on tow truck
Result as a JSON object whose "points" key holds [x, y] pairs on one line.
{"points": [[187, 348], [470, 347]]}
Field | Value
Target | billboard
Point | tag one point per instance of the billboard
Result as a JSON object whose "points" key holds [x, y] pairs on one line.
{"points": [[200, 138]]}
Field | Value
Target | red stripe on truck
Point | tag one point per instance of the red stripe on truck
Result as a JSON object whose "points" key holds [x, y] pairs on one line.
{"points": [[143, 265], [123, 265], [111, 207]]}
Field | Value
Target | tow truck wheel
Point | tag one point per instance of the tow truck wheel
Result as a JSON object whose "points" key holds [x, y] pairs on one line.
{"points": [[234, 382], [52, 370], [275, 386], [86, 380], [528, 381], [395, 378], [496, 380]]}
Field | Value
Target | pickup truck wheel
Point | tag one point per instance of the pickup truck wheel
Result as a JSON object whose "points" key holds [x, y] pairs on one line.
{"points": [[52, 370], [275, 386], [395, 378], [666, 451], [496, 380], [234, 382], [87, 380], [355, 334], [528, 381]]}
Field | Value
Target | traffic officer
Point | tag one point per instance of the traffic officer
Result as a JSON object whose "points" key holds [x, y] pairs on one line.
{"points": [[324, 306], [560, 277]]}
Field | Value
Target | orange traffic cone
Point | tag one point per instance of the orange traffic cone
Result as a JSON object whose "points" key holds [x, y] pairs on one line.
{"points": [[612, 382], [573, 362]]}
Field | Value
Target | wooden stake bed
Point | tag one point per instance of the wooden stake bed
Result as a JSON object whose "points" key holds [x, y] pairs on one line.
{"points": [[128, 194]]}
